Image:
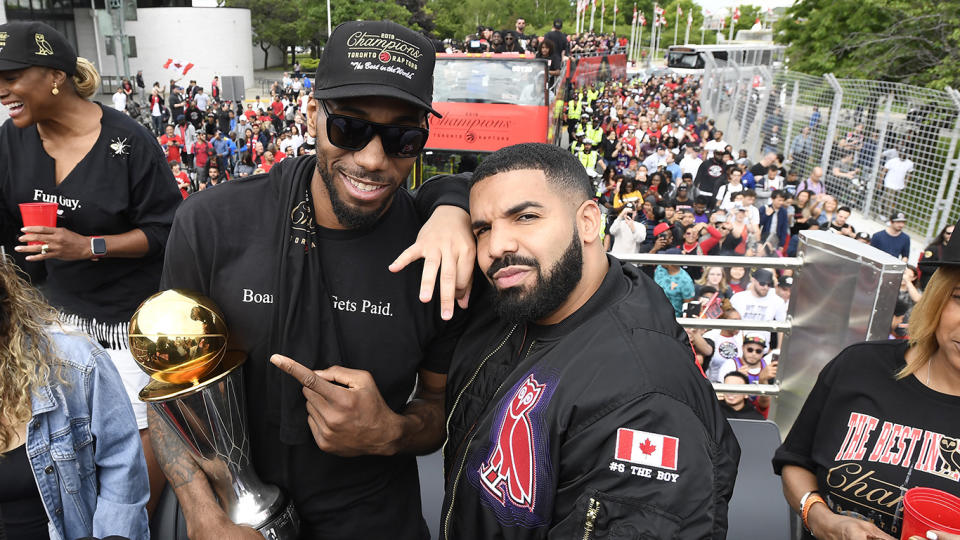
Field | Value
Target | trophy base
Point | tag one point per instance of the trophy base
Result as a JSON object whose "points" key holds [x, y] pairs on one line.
{"points": [[283, 526]]}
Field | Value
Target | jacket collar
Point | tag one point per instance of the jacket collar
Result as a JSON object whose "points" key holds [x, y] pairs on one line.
{"points": [[613, 286], [42, 400]]}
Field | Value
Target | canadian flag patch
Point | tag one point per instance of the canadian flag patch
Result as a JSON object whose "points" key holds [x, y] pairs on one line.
{"points": [[645, 448]]}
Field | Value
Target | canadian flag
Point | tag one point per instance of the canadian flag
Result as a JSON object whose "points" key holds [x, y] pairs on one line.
{"points": [[634, 14], [644, 448], [736, 14], [179, 66], [643, 20], [658, 10]]}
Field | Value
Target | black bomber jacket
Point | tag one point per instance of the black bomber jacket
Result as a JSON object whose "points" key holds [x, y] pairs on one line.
{"points": [[599, 426]]}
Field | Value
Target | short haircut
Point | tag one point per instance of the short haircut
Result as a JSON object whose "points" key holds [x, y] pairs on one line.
{"points": [[749, 193], [687, 175], [778, 193], [668, 203], [702, 199], [845, 209], [773, 168], [739, 375], [559, 166]]}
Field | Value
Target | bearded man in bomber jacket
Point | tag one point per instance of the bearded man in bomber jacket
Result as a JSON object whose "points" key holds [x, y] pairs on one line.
{"points": [[574, 405]]}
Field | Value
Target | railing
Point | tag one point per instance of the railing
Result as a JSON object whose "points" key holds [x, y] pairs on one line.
{"points": [[784, 327], [853, 127]]}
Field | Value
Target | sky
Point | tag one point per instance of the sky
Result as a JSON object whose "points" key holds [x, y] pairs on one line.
{"points": [[717, 5]]}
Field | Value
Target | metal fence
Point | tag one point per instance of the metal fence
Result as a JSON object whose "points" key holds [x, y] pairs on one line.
{"points": [[859, 132]]}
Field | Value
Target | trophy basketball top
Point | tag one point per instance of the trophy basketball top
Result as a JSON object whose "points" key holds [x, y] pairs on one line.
{"points": [[179, 338]]}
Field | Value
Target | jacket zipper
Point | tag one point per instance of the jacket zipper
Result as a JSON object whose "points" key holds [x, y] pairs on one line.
{"points": [[593, 510], [456, 479], [443, 449]]}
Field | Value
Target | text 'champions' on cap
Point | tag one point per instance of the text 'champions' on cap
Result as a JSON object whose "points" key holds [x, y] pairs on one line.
{"points": [[377, 58]]}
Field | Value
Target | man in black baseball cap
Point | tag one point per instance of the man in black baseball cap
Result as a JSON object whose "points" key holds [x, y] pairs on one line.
{"points": [[303, 263]]}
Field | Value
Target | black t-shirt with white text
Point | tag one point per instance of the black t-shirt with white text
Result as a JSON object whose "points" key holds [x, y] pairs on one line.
{"points": [[122, 183], [224, 245], [868, 436]]}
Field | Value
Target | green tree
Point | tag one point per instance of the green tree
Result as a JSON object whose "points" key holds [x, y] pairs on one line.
{"points": [[275, 23], [912, 42]]}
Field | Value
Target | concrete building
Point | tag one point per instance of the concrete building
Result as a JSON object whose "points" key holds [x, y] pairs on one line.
{"points": [[216, 40]]}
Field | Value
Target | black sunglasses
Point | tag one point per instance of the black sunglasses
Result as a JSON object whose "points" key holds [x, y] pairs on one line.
{"points": [[351, 133], [752, 349]]}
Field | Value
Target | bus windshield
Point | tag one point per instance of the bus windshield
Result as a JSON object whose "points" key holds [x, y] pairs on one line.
{"points": [[487, 80], [687, 60]]}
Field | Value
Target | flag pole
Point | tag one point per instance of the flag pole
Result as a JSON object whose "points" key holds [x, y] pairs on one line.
{"points": [[614, 18], [676, 24], [593, 9], [686, 34], [603, 12], [653, 33], [733, 23]]}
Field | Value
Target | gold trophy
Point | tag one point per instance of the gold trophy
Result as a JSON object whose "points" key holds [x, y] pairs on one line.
{"points": [[179, 338]]}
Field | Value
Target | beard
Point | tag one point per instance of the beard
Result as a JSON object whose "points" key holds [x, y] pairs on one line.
{"points": [[518, 305], [349, 217]]}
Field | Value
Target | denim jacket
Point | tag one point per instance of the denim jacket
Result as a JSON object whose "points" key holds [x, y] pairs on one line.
{"points": [[84, 447]]}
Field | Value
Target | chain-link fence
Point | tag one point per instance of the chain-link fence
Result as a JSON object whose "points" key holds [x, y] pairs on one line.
{"points": [[880, 147]]}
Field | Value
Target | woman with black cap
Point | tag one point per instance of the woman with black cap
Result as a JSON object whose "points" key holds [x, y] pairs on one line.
{"points": [[115, 192], [881, 419]]}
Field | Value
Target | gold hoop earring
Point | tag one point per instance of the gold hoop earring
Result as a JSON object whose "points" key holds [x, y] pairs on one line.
{"points": [[55, 90]]}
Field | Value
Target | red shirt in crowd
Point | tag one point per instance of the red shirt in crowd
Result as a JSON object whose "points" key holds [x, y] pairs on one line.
{"points": [[173, 145], [182, 179]]}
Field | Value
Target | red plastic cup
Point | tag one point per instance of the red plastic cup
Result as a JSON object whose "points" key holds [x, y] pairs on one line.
{"points": [[42, 214], [925, 509]]}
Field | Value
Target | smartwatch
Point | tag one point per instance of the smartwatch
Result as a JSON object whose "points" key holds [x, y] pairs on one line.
{"points": [[98, 246]]}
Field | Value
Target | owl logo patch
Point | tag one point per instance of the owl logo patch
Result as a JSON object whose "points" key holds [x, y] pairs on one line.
{"points": [[509, 473], [43, 46]]}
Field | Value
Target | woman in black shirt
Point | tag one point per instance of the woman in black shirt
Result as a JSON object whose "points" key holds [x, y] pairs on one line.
{"points": [[881, 419], [115, 192]]}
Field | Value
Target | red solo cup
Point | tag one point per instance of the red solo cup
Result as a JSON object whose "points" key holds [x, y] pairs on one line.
{"points": [[925, 509], [42, 214]]}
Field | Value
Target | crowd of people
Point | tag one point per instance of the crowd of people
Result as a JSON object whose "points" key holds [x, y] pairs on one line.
{"points": [[668, 182], [520, 40], [208, 139], [560, 380]]}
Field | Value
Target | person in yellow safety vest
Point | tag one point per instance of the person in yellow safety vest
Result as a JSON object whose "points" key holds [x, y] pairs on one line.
{"points": [[574, 110], [577, 143], [593, 131], [584, 121], [588, 157], [592, 95]]}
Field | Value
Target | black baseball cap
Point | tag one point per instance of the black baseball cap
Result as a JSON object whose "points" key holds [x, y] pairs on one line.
{"points": [[25, 44], [898, 216], [377, 58], [763, 276]]}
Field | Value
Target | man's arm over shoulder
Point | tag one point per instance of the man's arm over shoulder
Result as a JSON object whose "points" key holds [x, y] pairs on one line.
{"points": [[651, 466]]}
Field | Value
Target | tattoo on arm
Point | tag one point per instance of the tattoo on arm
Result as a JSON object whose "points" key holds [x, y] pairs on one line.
{"points": [[177, 464]]}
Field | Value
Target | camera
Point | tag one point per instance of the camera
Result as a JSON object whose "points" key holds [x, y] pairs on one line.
{"points": [[692, 309], [630, 206]]}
